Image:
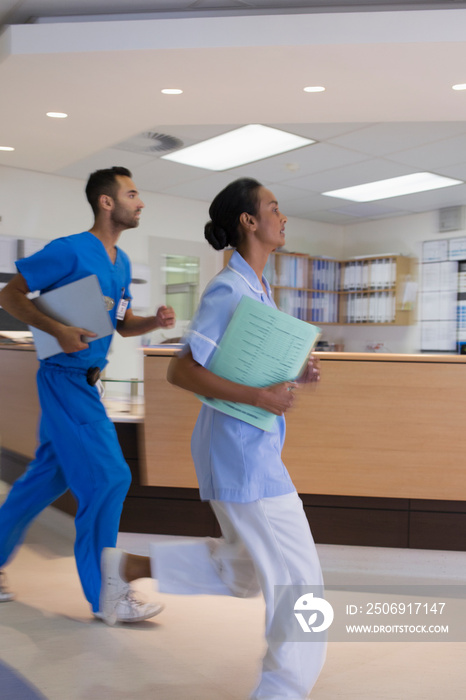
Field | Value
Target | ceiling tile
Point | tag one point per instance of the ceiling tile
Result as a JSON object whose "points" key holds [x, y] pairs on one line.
{"points": [[434, 155], [436, 199], [382, 139], [104, 159], [357, 174]]}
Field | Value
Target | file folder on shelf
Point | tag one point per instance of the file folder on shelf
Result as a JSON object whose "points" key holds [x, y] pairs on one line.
{"points": [[261, 346]]}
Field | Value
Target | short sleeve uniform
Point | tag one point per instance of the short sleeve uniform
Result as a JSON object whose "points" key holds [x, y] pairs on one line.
{"points": [[234, 460], [71, 258]]}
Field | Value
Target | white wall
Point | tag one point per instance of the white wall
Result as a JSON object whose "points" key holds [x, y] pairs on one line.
{"points": [[399, 235], [314, 238], [36, 205]]}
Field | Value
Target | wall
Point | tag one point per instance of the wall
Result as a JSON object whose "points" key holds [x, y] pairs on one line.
{"points": [[36, 205], [402, 235], [46, 206]]}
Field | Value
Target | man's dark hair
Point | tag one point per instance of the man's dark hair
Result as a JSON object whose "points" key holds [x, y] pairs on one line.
{"points": [[104, 182]]}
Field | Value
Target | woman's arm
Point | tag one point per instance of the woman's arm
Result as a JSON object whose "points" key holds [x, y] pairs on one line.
{"points": [[185, 372]]}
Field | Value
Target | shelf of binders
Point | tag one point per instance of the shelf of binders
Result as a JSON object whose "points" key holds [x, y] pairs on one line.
{"points": [[327, 291], [305, 287], [373, 291]]}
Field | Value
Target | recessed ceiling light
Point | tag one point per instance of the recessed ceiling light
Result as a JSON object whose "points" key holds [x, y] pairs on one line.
{"points": [[314, 88], [172, 91], [394, 187], [244, 145], [6, 148], [460, 86], [57, 115]]}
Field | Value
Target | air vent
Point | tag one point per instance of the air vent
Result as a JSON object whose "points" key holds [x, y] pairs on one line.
{"points": [[150, 142], [450, 219]]}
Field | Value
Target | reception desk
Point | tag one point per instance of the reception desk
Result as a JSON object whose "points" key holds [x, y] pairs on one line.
{"points": [[389, 426], [376, 450]]}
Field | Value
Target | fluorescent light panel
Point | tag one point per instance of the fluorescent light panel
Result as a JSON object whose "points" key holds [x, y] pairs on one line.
{"points": [[394, 187], [244, 145]]}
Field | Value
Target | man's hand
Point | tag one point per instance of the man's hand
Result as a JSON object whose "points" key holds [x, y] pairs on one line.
{"points": [[71, 339], [165, 317], [277, 398]]}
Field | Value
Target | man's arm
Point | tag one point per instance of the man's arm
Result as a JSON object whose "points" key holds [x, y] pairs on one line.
{"points": [[14, 300], [139, 325]]}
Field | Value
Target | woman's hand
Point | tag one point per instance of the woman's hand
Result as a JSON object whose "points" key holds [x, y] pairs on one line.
{"points": [[311, 373], [277, 398]]}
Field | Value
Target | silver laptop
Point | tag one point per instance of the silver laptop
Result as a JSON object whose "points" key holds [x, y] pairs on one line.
{"points": [[79, 304]]}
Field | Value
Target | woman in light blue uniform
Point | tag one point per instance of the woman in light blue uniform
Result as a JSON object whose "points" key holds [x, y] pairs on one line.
{"points": [[266, 540]]}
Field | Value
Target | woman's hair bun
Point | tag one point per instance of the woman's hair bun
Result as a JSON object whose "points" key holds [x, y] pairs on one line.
{"points": [[215, 235]]}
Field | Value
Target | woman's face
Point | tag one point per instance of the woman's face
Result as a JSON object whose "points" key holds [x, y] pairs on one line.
{"points": [[270, 222]]}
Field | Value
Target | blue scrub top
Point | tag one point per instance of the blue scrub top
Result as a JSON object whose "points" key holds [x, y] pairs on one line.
{"points": [[234, 461], [71, 258]]}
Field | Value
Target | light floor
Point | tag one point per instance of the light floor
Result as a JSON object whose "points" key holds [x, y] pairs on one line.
{"points": [[205, 648]]}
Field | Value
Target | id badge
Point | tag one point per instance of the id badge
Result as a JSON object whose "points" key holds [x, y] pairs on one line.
{"points": [[121, 310]]}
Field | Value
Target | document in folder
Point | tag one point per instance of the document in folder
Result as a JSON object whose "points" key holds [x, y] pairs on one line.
{"points": [[79, 304], [261, 346]]}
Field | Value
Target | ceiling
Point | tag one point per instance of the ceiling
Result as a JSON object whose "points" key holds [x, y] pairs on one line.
{"points": [[388, 108]]}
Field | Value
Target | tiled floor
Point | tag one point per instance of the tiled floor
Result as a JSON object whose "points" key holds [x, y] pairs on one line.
{"points": [[206, 648]]}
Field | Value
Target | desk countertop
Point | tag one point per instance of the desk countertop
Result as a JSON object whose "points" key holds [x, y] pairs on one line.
{"points": [[169, 351]]}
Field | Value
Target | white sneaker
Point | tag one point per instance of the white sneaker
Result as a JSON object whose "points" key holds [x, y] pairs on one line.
{"points": [[5, 594], [117, 600]]}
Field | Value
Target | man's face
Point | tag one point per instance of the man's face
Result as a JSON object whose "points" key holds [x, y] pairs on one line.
{"points": [[127, 204]]}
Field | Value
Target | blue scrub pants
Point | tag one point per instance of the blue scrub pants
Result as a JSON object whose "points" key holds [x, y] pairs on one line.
{"points": [[79, 450]]}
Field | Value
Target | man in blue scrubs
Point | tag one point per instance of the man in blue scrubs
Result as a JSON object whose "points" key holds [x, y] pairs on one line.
{"points": [[78, 448]]}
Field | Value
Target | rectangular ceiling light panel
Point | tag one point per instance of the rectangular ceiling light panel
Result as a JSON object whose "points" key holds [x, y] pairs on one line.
{"points": [[244, 145], [394, 187]]}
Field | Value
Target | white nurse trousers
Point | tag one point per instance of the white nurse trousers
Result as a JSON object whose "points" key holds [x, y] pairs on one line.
{"points": [[264, 543]]}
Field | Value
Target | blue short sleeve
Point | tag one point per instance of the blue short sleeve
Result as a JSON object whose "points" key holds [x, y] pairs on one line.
{"points": [[215, 310], [128, 276], [46, 268]]}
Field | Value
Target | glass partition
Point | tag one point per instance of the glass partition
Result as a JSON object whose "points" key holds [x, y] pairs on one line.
{"points": [[182, 284]]}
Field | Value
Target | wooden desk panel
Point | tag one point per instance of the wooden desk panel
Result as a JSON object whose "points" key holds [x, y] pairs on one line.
{"points": [[393, 426], [386, 429], [19, 403], [170, 415]]}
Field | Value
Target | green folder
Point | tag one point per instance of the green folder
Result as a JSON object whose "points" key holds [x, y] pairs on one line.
{"points": [[261, 346]]}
